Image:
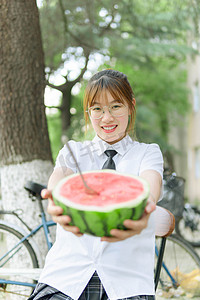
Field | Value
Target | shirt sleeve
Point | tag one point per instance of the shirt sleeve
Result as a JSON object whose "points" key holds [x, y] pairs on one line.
{"points": [[152, 159]]}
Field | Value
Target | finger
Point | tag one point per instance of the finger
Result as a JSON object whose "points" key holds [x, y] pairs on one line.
{"points": [[150, 207], [54, 210], [46, 194], [134, 227], [109, 239], [72, 229], [118, 235], [61, 219], [64, 220], [138, 225], [79, 234], [123, 234]]}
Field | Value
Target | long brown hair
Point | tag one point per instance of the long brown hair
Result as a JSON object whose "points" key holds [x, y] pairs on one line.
{"points": [[117, 84]]}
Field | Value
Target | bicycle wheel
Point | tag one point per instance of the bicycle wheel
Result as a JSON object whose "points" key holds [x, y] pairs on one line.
{"points": [[20, 258], [188, 227], [182, 263]]}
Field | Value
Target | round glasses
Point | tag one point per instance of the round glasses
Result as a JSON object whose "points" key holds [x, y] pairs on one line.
{"points": [[116, 110]]}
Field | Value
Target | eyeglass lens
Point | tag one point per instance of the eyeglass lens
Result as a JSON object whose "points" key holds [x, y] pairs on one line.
{"points": [[116, 110]]}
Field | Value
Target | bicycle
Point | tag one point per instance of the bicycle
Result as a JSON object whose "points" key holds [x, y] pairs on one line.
{"points": [[20, 265], [187, 216], [188, 227], [18, 249], [180, 269]]}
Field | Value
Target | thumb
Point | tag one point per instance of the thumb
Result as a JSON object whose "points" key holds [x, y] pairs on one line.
{"points": [[46, 194], [150, 207]]}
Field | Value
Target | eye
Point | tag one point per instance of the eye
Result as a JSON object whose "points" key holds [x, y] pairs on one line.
{"points": [[96, 108], [116, 106]]}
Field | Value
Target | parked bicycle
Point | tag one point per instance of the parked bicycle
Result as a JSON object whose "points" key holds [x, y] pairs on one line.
{"points": [[187, 215], [20, 260], [188, 227], [180, 270]]}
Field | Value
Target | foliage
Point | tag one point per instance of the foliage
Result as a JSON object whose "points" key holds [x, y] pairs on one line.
{"points": [[76, 26], [79, 30], [160, 97], [78, 131], [147, 40], [141, 28], [150, 29]]}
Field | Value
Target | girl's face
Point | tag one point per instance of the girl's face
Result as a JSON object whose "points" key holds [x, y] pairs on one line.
{"points": [[110, 128]]}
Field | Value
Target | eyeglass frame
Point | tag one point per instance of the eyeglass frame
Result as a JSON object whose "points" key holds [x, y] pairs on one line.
{"points": [[103, 112]]}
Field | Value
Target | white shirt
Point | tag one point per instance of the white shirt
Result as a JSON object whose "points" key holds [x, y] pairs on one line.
{"points": [[125, 268]]}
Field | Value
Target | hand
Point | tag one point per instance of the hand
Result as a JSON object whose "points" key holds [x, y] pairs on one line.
{"points": [[133, 227], [57, 216]]}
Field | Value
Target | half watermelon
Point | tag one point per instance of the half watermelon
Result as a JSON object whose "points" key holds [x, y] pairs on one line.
{"points": [[120, 197]]}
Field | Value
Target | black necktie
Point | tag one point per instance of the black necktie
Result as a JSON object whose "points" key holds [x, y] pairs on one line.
{"points": [[109, 164]]}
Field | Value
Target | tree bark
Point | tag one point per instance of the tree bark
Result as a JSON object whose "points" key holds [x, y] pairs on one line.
{"points": [[65, 110], [25, 152], [23, 126]]}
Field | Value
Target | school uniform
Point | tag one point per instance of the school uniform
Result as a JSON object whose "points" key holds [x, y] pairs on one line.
{"points": [[120, 270]]}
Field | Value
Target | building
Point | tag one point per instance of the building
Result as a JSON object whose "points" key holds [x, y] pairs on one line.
{"points": [[193, 130], [186, 137]]}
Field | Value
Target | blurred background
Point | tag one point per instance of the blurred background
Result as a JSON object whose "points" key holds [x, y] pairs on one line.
{"points": [[156, 43], [48, 51], [52, 47]]}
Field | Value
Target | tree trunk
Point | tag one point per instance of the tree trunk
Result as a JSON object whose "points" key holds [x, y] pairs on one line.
{"points": [[65, 110], [23, 124], [24, 142]]}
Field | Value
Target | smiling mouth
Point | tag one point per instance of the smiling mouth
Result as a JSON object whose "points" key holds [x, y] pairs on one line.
{"points": [[109, 128]]}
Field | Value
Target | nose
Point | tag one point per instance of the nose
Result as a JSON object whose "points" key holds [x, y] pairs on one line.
{"points": [[107, 115]]}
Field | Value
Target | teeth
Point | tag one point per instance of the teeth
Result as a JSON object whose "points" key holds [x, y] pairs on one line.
{"points": [[109, 128]]}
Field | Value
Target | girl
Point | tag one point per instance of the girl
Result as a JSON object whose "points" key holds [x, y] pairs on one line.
{"points": [[80, 266]]}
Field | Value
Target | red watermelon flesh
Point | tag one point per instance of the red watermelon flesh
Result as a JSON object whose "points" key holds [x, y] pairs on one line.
{"points": [[111, 189]]}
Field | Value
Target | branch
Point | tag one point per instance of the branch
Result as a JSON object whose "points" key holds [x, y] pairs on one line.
{"points": [[77, 39], [107, 27], [70, 84], [81, 42], [64, 16], [83, 69], [57, 87]]}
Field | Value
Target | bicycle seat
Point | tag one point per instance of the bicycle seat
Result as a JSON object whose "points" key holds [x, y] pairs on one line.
{"points": [[34, 188]]}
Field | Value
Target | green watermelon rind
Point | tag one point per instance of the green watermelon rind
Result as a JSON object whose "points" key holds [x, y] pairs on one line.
{"points": [[96, 222], [100, 223]]}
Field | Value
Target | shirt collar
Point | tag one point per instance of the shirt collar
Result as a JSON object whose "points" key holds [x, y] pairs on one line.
{"points": [[121, 147]]}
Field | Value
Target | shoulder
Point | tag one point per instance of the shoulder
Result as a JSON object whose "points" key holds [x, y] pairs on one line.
{"points": [[76, 146], [64, 157], [152, 158], [146, 147]]}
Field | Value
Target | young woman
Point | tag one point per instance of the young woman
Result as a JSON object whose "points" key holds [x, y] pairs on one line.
{"points": [[80, 266]]}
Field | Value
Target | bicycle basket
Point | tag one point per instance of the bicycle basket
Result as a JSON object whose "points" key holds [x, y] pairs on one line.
{"points": [[173, 195]]}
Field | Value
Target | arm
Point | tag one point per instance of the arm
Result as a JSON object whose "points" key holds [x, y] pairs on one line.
{"points": [[135, 227], [155, 182], [52, 209], [57, 175]]}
